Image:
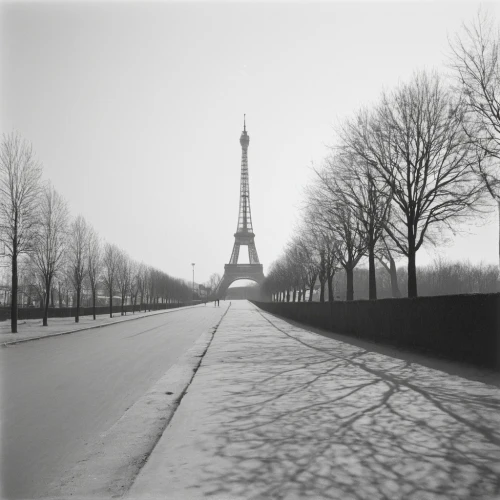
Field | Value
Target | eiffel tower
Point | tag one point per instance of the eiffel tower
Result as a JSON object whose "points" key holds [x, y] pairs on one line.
{"points": [[244, 234]]}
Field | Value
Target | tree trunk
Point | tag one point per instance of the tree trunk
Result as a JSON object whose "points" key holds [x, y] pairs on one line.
{"points": [[349, 271], [47, 298], [13, 305], [330, 288], [94, 293], [322, 290], [412, 273], [288, 295], [110, 302], [372, 280], [123, 303], [394, 278], [77, 314], [300, 295], [498, 284], [52, 296], [294, 294]]}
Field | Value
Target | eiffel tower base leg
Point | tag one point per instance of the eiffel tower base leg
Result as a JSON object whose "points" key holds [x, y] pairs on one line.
{"points": [[233, 272]]}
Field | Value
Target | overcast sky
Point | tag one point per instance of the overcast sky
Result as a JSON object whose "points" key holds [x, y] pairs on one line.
{"points": [[136, 109]]}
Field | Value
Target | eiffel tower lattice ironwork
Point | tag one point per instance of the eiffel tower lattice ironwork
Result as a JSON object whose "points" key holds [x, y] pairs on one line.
{"points": [[244, 235]]}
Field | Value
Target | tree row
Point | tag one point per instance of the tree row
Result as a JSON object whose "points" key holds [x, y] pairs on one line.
{"points": [[424, 157], [54, 253]]}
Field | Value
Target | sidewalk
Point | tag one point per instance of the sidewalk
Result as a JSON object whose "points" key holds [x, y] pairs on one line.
{"points": [[32, 328], [277, 412]]}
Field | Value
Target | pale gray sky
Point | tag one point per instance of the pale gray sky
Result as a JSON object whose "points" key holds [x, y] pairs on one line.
{"points": [[135, 110]]}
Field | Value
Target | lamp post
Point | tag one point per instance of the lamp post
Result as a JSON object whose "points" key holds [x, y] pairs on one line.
{"points": [[193, 279]]}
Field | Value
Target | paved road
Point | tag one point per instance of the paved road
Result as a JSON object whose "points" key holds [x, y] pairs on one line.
{"points": [[60, 393]]}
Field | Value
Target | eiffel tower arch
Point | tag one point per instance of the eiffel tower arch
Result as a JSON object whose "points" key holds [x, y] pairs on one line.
{"points": [[244, 235]]}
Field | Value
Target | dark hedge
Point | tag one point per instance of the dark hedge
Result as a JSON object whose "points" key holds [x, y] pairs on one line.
{"points": [[69, 312], [464, 328]]}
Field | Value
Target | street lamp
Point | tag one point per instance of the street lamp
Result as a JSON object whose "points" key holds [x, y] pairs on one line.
{"points": [[193, 279]]}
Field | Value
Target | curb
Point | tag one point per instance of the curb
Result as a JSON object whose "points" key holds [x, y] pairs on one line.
{"points": [[112, 464], [20, 341]]}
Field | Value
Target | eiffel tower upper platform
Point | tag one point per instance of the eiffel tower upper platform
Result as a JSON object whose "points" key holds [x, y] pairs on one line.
{"points": [[244, 234]]}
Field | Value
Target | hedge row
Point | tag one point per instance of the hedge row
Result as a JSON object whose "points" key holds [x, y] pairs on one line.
{"points": [[68, 312], [463, 328]]}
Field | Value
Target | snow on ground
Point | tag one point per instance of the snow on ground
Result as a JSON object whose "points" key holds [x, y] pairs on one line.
{"points": [[278, 412], [32, 328]]}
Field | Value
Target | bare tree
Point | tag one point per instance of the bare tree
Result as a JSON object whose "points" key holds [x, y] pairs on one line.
{"points": [[62, 284], [30, 282], [123, 277], [331, 259], [94, 264], [141, 283], [151, 283], [110, 268], [385, 255], [418, 146], [134, 283], [50, 240], [20, 175], [310, 252], [476, 64], [337, 217], [296, 264], [78, 258], [326, 247], [276, 281], [358, 182], [213, 283], [148, 286]]}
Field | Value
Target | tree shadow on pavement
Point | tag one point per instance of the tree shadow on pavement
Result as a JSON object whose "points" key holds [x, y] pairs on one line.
{"points": [[421, 356], [314, 418]]}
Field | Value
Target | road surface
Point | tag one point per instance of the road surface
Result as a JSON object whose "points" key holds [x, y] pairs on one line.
{"points": [[60, 393]]}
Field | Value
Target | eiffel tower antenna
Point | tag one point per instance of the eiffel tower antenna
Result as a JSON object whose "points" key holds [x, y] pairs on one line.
{"points": [[244, 234]]}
